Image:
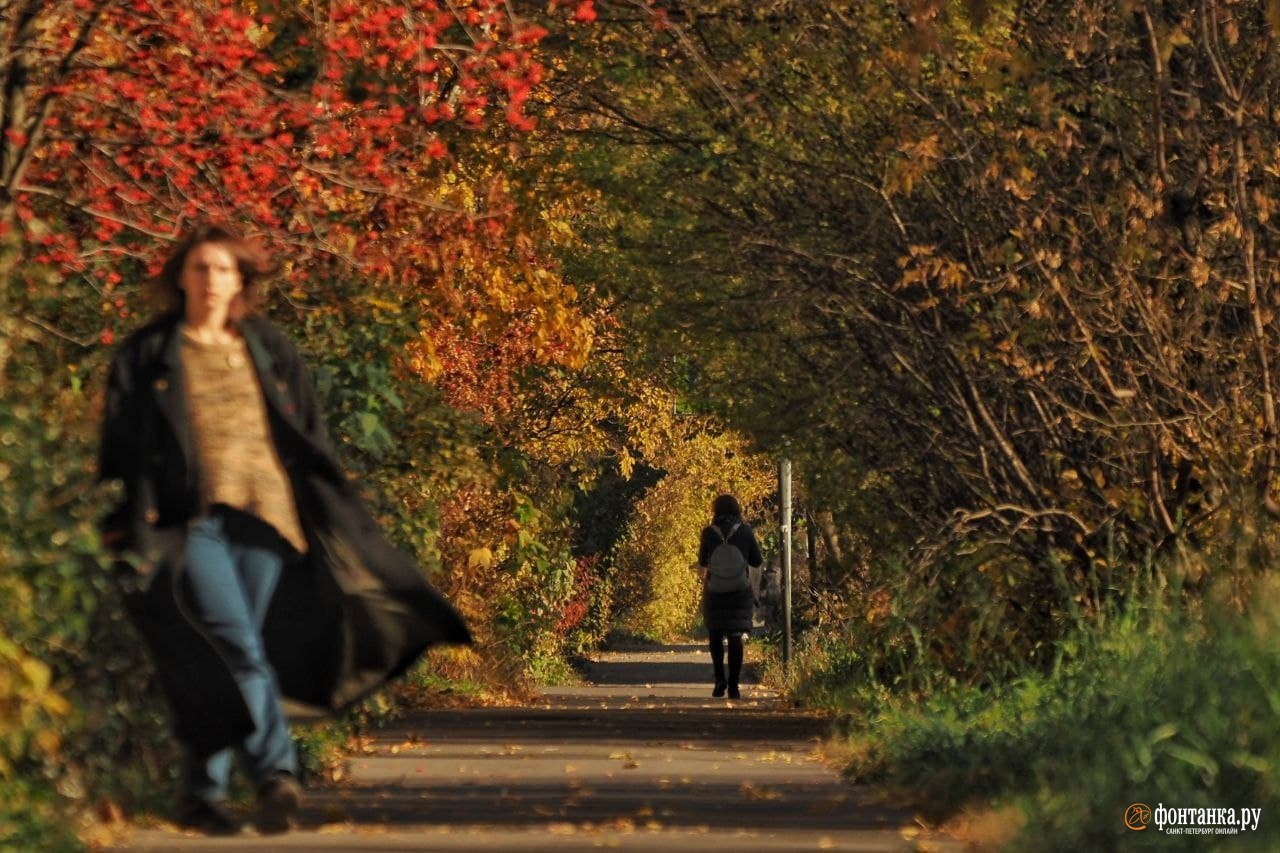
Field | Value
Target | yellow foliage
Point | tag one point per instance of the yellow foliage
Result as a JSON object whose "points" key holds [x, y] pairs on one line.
{"points": [[657, 559], [30, 709]]}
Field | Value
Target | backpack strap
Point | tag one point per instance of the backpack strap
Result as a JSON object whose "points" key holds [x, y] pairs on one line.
{"points": [[732, 530]]}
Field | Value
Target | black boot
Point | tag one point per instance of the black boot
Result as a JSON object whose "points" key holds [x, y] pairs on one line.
{"points": [[278, 799]]}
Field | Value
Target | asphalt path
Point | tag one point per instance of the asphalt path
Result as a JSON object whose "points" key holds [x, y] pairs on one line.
{"points": [[639, 757]]}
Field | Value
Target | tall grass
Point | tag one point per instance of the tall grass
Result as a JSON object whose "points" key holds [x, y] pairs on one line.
{"points": [[1173, 699]]}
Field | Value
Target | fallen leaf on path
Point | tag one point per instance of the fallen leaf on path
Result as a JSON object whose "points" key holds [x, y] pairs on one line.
{"points": [[100, 835], [751, 792], [826, 842]]}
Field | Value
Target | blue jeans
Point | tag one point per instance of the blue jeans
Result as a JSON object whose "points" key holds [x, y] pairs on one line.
{"points": [[233, 562]]}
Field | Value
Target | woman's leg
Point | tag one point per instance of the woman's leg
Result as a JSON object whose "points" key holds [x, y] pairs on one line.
{"points": [[229, 584], [716, 643], [269, 748], [735, 662], [209, 576]]}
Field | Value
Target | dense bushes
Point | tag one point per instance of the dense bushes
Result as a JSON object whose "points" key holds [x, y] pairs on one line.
{"points": [[74, 695], [1166, 701]]}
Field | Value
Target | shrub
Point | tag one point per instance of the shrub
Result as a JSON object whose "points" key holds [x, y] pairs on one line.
{"points": [[1161, 705]]}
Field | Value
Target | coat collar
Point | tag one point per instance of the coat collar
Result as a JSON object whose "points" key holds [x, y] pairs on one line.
{"points": [[169, 381]]}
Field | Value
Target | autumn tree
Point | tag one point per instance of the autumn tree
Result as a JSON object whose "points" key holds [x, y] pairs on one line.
{"points": [[368, 144], [998, 275]]}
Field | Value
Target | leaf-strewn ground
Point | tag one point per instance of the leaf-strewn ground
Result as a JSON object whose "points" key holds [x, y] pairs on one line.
{"points": [[638, 758]]}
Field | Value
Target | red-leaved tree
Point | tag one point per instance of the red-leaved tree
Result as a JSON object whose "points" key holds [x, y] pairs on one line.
{"points": [[326, 126]]}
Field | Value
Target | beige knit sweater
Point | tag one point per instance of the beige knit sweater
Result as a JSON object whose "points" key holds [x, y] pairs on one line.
{"points": [[239, 465]]}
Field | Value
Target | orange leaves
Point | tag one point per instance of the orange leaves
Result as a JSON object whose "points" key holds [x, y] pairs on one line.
{"points": [[1021, 184], [922, 266], [918, 158]]}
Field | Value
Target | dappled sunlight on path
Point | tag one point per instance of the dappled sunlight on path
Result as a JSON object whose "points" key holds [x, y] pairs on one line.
{"points": [[638, 757]]}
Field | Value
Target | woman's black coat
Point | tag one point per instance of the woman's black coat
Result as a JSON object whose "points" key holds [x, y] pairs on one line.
{"points": [[350, 615], [729, 611]]}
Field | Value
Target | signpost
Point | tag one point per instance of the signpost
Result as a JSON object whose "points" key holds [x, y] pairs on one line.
{"points": [[784, 488]]}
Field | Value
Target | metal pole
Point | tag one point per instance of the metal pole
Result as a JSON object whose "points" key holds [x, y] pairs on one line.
{"points": [[784, 486]]}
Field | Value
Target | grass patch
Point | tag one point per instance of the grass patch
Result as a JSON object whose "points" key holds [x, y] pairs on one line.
{"points": [[1162, 705]]}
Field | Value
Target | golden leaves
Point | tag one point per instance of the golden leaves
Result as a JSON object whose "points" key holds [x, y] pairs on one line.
{"points": [[758, 793], [30, 708], [923, 267], [918, 158], [480, 558]]}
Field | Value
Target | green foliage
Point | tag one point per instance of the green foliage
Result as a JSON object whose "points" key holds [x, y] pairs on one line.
{"points": [[75, 692], [1154, 706], [33, 818]]}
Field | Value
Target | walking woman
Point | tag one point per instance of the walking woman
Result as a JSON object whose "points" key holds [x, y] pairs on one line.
{"points": [[260, 583], [727, 548]]}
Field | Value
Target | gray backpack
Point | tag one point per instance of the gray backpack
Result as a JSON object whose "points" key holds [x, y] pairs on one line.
{"points": [[727, 565]]}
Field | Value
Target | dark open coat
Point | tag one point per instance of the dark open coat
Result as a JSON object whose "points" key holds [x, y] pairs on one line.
{"points": [[348, 616], [729, 611]]}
